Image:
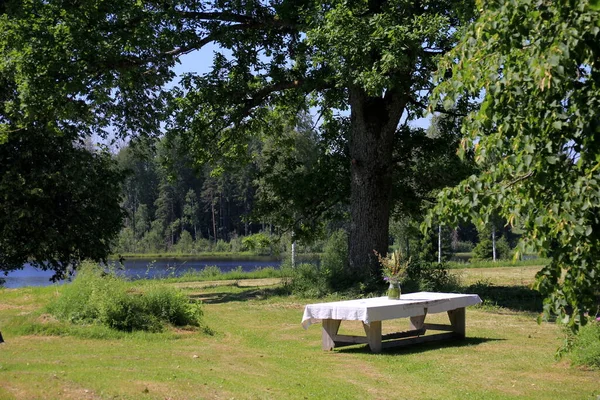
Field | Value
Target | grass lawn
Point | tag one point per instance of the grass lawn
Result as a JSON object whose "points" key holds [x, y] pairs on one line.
{"points": [[258, 350]]}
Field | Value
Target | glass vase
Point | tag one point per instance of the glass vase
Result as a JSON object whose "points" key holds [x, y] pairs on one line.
{"points": [[394, 291]]}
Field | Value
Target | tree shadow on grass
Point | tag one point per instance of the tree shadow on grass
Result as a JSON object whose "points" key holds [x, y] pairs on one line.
{"points": [[226, 297], [421, 347], [516, 298]]}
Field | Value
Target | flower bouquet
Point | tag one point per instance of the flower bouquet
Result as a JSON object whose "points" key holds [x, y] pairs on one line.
{"points": [[394, 268]]}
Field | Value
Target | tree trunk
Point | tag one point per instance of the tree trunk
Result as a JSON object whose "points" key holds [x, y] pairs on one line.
{"points": [[373, 124]]}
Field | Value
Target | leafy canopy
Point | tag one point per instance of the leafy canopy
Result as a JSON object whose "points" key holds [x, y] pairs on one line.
{"points": [[59, 201], [91, 65], [536, 136]]}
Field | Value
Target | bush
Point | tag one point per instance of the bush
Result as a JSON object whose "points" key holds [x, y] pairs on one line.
{"points": [[430, 277], [307, 280], [585, 350], [236, 243], [335, 254], [210, 271], [97, 297], [483, 250], [331, 276], [437, 278], [185, 243], [259, 244], [203, 245], [463, 247], [222, 246]]}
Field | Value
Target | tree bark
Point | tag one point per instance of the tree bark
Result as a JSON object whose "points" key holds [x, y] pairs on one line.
{"points": [[373, 124]]}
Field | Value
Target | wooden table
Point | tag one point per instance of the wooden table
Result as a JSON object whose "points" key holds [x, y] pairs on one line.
{"points": [[371, 312]]}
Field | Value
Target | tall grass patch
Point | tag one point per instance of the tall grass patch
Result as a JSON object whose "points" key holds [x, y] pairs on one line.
{"points": [[585, 349], [95, 297]]}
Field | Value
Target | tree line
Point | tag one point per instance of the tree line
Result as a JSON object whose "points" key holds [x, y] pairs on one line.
{"points": [[172, 204]]}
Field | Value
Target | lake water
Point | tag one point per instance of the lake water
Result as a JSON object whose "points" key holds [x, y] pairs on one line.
{"points": [[145, 269]]}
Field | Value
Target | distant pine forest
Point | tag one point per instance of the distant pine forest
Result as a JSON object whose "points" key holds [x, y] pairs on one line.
{"points": [[174, 208]]}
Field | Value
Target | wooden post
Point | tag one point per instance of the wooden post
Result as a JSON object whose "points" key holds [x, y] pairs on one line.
{"points": [[439, 244], [457, 319], [494, 242], [373, 331], [330, 330]]}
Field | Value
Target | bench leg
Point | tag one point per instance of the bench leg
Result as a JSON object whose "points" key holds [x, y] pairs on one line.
{"points": [[330, 330], [417, 322], [373, 331], [457, 319]]}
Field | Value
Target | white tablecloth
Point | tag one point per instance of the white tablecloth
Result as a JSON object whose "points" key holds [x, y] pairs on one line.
{"points": [[381, 308]]}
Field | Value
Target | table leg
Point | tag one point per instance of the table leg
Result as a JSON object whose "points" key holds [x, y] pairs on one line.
{"points": [[417, 322], [373, 331], [330, 330], [457, 319]]}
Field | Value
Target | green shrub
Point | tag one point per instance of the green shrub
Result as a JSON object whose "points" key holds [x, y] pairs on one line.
{"points": [[463, 247], [430, 277], [210, 271], [437, 278], [236, 244], [307, 280], [585, 350], [483, 250], [222, 246], [172, 306], [331, 276], [335, 253], [203, 245], [259, 243], [185, 243], [127, 312], [97, 297]]}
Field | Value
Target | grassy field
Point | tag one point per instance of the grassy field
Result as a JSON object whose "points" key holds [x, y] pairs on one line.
{"points": [[258, 350]]}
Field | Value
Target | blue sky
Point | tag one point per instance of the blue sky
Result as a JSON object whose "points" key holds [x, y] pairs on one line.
{"points": [[200, 61]]}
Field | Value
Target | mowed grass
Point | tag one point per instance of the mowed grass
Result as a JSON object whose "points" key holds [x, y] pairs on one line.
{"points": [[499, 276], [258, 350]]}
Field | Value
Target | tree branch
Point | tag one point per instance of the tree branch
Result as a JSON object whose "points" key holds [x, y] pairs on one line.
{"points": [[306, 85], [225, 16], [418, 103], [519, 179]]}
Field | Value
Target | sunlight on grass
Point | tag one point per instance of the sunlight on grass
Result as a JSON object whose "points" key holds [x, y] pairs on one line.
{"points": [[259, 350]]}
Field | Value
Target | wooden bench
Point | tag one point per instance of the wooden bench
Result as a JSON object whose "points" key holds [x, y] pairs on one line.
{"points": [[415, 306]]}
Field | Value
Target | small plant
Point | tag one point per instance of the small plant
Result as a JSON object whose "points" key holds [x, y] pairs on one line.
{"points": [[394, 266], [210, 271]]}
